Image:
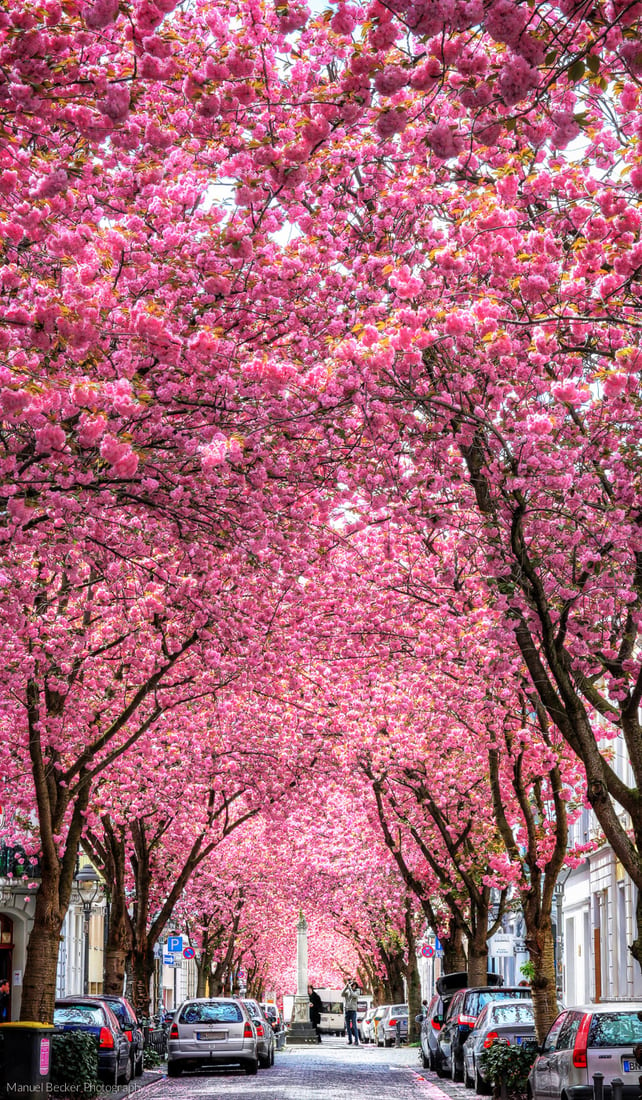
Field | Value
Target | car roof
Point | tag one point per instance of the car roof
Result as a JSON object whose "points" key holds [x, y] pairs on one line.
{"points": [[606, 1006]]}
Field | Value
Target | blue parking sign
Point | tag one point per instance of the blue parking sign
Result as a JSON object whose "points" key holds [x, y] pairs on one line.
{"points": [[175, 944]]}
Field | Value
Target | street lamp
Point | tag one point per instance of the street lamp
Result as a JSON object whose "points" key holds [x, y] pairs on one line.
{"points": [[87, 882]]}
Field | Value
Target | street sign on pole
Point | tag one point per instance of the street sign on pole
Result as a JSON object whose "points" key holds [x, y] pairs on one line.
{"points": [[428, 951], [175, 944], [188, 953], [168, 960]]}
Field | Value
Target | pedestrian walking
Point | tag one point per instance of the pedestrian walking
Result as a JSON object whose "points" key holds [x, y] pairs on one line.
{"points": [[316, 1007], [350, 995]]}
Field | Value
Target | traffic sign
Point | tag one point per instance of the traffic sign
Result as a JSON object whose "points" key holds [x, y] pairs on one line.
{"points": [[428, 951], [188, 953], [168, 960], [175, 944]]}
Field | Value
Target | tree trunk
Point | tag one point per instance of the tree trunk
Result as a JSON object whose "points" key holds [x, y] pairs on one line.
{"points": [[454, 953], [413, 983], [539, 942], [142, 974], [117, 948], [39, 987], [478, 957]]}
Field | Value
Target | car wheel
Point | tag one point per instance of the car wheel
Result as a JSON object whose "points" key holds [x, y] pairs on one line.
{"points": [[272, 1057], [252, 1068], [174, 1069], [140, 1064], [482, 1087], [425, 1062], [264, 1061], [439, 1065], [455, 1072], [468, 1080]]}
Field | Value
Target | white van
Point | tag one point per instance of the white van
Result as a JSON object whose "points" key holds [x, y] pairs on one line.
{"points": [[333, 1020], [332, 1014]]}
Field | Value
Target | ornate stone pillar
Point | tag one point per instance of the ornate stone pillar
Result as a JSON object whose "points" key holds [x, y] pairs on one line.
{"points": [[301, 1030]]}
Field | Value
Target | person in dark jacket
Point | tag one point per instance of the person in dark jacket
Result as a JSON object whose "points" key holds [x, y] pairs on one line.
{"points": [[316, 1007]]}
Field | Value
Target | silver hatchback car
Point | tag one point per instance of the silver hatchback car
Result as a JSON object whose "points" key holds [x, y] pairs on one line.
{"points": [[212, 1031], [584, 1040]]}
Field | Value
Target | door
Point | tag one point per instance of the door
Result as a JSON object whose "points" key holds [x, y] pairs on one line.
{"points": [[541, 1073], [6, 960]]}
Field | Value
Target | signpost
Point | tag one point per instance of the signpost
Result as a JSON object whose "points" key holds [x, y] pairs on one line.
{"points": [[501, 946], [428, 951], [189, 953], [175, 944]]}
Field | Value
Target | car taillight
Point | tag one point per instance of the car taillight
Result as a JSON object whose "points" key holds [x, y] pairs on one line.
{"points": [[581, 1042], [247, 1032], [466, 1021], [259, 1030], [130, 1036], [106, 1039], [173, 1031], [436, 1025], [490, 1039]]}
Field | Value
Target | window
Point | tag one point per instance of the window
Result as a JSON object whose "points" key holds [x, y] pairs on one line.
{"points": [[508, 1012], [211, 1012], [86, 1015], [550, 1042], [569, 1030], [615, 1029]]}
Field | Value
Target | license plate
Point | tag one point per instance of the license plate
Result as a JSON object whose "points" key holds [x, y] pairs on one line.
{"points": [[210, 1036], [629, 1066]]}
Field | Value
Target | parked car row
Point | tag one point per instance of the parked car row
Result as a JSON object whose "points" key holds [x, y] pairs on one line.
{"points": [[460, 1025], [383, 1024], [220, 1031], [112, 1021]]}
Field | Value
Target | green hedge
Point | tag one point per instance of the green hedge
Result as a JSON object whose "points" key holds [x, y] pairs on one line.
{"points": [[509, 1065], [74, 1064]]}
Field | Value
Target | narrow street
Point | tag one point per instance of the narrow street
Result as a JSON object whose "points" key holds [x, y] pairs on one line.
{"points": [[331, 1072]]}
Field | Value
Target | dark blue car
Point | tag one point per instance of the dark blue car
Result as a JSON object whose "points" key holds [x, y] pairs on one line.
{"points": [[96, 1018]]}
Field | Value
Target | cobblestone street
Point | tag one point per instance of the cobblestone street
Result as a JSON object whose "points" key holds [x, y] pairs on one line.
{"points": [[332, 1072]]}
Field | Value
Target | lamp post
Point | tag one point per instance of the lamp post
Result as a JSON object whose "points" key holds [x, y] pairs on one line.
{"points": [[87, 882]]}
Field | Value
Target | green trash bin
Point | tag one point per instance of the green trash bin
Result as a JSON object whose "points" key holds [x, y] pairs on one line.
{"points": [[25, 1059]]}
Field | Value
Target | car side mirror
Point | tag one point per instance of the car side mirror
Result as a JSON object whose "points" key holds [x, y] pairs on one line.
{"points": [[532, 1046], [419, 1019]]}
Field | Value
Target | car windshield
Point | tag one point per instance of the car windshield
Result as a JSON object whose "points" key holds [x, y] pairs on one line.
{"points": [[253, 1009], [615, 1029], [332, 1006], [120, 1012], [485, 996], [510, 1012], [90, 1015], [211, 1012], [399, 1010]]}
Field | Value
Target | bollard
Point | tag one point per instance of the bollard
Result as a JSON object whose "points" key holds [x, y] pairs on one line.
{"points": [[617, 1088], [598, 1086], [398, 1033]]}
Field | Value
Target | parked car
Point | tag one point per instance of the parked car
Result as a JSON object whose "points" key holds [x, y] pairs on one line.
{"points": [[387, 1030], [365, 1028], [376, 1020], [363, 1007], [275, 1020], [212, 1031], [126, 1016], [432, 1019], [584, 1040], [264, 1033], [97, 1018], [510, 1022], [460, 1020]]}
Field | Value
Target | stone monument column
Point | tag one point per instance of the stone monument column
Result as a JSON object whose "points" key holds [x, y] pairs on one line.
{"points": [[301, 1030]]}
